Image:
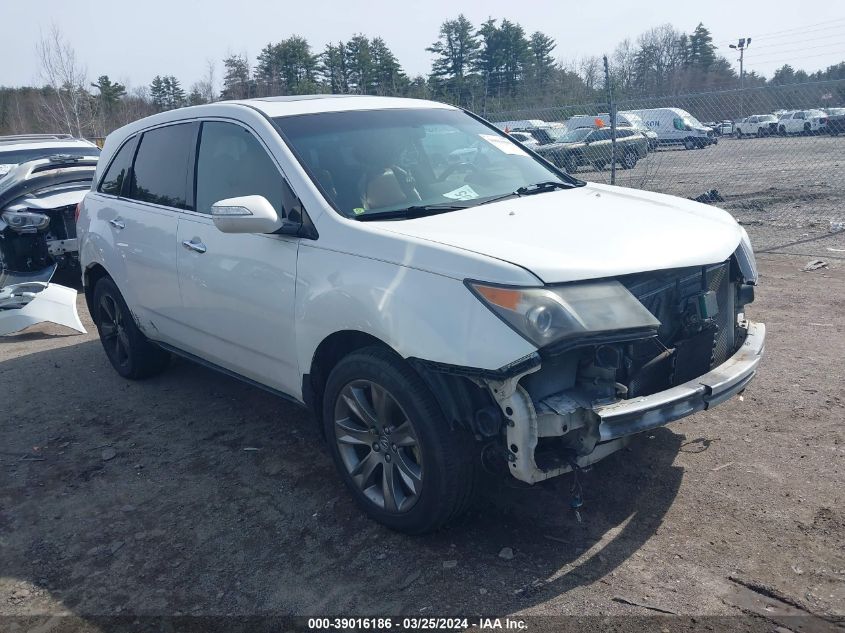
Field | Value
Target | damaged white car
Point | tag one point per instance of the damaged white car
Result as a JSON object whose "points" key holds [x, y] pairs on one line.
{"points": [[38, 201], [435, 315]]}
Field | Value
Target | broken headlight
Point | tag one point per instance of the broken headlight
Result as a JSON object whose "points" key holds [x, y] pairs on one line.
{"points": [[745, 259], [25, 221], [547, 315]]}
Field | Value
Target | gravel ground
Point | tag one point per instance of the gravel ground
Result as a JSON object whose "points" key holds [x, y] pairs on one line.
{"points": [[192, 493]]}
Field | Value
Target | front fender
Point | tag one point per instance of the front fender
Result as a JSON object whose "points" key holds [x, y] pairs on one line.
{"points": [[418, 314]]}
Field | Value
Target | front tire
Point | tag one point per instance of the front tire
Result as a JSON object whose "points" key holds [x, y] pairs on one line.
{"points": [[404, 465], [131, 354], [690, 144]]}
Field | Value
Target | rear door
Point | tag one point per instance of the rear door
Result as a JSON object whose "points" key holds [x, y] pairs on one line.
{"points": [[238, 289], [145, 226]]}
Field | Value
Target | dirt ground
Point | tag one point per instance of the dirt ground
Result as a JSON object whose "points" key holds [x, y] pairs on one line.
{"points": [[192, 493]]}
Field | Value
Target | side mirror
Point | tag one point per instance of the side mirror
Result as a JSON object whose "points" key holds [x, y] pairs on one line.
{"points": [[250, 214]]}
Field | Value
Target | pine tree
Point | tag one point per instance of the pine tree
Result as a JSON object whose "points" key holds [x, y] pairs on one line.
{"points": [[388, 78], [237, 81], [333, 69], [158, 93], [702, 52], [359, 61], [110, 91], [455, 52]]}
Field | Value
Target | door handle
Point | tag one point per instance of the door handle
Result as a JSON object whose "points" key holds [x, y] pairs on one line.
{"points": [[197, 247], [117, 223]]}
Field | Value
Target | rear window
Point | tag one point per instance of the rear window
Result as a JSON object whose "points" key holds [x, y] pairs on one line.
{"points": [[160, 172], [112, 182]]}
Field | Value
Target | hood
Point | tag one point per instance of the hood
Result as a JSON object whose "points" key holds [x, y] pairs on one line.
{"points": [[44, 176], [590, 232]]}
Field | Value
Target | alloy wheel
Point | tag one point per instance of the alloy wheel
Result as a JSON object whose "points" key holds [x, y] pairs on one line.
{"points": [[112, 330], [378, 445]]}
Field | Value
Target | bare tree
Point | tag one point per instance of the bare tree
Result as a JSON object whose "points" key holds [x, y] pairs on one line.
{"points": [[207, 82], [67, 104]]}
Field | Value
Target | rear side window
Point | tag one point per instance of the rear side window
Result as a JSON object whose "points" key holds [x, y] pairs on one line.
{"points": [[112, 182], [231, 162], [160, 172]]}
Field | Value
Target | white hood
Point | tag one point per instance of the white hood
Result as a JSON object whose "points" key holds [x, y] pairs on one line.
{"points": [[586, 233]]}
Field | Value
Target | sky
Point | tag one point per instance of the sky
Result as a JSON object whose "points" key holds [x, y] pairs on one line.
{"points": [[132, 42]]}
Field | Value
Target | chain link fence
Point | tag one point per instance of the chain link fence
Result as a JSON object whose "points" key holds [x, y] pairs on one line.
{"points": [[773, 156]]}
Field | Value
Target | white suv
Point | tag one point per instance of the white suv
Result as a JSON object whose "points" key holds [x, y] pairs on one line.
{"points": [[757, 125], [434, 315], [802, 122]]}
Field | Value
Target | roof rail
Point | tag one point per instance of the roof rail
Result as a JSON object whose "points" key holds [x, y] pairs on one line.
{"points": [[35, 137]]}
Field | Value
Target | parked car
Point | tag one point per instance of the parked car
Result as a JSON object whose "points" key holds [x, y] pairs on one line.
{"points": [[433, 318], [48, 174], [802, 122], [628, 120], [835, 121], [22, 148], [721, 128], [756, 125], [38, 235], [593, 146], [525, 138], [676, 127]]}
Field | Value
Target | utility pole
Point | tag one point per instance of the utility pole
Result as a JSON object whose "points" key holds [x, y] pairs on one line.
{"points": [[741, 45], [611, 108]]}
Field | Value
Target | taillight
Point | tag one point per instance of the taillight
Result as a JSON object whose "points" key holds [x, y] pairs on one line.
{"points": [[76, 212]]}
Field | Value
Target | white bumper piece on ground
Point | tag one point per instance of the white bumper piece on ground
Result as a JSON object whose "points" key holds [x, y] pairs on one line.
{"points": [[26, 304]]}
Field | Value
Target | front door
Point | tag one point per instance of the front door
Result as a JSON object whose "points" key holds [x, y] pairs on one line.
{"points": [[238, 289]]}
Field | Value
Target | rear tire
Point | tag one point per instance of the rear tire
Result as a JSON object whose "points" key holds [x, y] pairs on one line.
{"points": [[131, 354], [403, 463], [739, 133], [760, 132], [629, 160], [689, 144]]}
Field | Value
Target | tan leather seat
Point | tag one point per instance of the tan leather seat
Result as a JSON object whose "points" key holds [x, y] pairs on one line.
{"points": [[382, 190]]}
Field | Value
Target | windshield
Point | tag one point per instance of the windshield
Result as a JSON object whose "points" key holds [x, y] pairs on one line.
{"points": [[375, 161], [836, 111], [768, 117], [561, 135]]}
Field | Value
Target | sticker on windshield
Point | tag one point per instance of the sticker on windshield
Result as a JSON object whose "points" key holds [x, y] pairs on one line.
{"points": [[503, 145], [462, 193]]}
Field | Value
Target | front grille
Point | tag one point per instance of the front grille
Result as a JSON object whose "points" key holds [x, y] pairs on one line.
{"points": [[687, 344]]}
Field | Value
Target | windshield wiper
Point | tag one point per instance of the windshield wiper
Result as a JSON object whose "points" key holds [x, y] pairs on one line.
{"points": [[541, 187], [416, 211]]}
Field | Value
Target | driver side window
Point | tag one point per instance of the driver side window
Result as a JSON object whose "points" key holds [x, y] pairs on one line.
{"points": [[232, 162]]}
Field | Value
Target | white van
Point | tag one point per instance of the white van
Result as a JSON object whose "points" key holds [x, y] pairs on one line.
{"points": [[675, 127]]}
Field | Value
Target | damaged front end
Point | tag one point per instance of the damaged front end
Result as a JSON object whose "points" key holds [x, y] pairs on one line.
{"points": [[37, 236], [581, 397]]}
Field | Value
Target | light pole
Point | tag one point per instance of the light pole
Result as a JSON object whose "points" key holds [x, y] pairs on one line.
{"points": [[741, 45]]}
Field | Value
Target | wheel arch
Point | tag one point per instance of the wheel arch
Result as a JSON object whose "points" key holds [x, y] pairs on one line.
{"points": [[331, 350], [90, 276]]}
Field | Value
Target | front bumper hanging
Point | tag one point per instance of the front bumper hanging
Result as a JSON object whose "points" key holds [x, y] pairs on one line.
{"points": [[619, 420]]}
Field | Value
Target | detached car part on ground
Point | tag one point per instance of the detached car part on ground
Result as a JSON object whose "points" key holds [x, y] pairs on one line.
{"points": [[436, 317], [38, 201]]}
